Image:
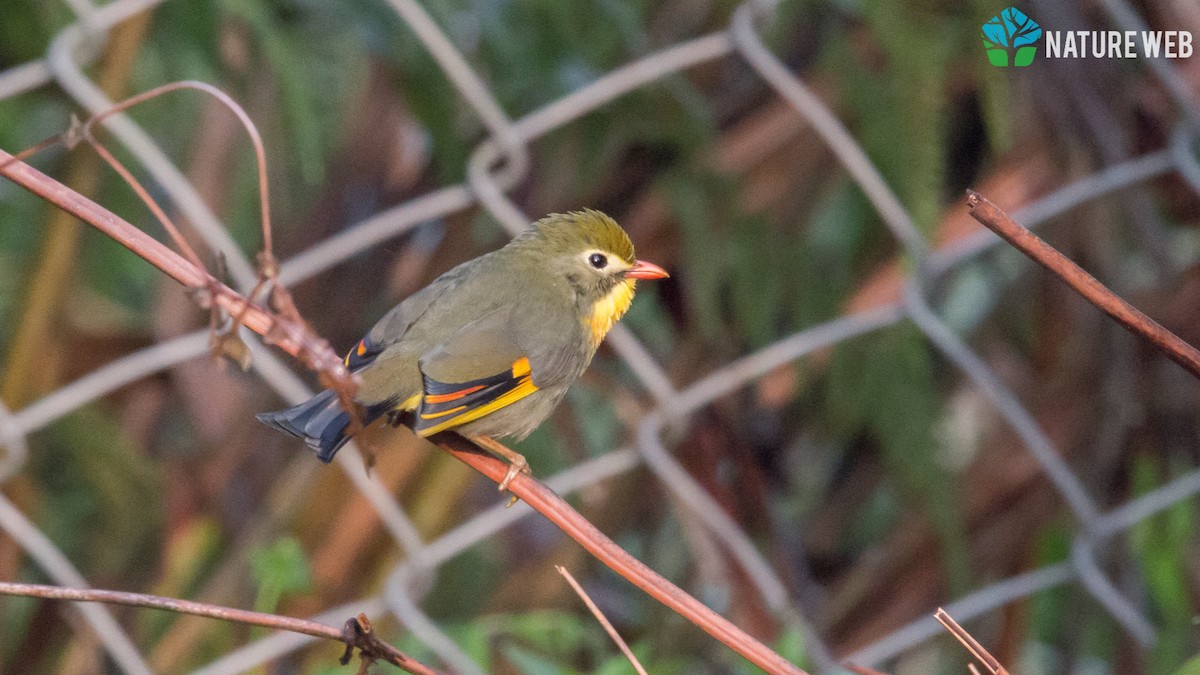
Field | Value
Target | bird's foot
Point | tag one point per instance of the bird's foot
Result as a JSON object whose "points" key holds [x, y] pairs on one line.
{"points": [[516, 461], [518, 465]]}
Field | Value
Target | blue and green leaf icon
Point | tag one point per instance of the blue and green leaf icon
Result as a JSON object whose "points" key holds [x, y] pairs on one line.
{"points": [[1010, 36]]}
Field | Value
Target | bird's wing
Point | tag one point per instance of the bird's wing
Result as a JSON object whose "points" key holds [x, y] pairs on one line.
{"points": [[393, 326], [478, 370]]}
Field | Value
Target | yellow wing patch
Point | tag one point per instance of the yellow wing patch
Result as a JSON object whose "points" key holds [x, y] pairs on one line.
{"points": [[524, 388], [411, 402], [479, 398]]}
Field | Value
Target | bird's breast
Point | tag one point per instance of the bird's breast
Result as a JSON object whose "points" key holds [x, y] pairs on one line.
{"points": [[607, 311]]}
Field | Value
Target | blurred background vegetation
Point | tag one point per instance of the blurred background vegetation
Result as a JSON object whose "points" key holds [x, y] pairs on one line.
{"points": [[877, 482]]}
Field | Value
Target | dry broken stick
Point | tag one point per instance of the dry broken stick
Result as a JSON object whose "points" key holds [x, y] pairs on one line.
{"points": [[604, 622], [977, 650], [356, 634], [1085, 284]]}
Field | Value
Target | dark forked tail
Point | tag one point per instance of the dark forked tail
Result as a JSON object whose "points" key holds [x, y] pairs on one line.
{"points": [[320, 421]]}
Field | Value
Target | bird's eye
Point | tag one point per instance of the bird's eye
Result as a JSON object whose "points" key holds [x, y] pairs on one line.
{"points": [[598, 261]]}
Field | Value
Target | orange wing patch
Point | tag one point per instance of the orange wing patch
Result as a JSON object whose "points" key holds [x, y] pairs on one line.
{"points": [[362, 354], [445, 406], [452, 396]]}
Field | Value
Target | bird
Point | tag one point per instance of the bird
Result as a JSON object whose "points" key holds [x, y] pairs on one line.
{"points": [[489, 348]]}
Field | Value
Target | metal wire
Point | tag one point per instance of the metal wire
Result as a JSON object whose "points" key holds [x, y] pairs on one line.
{"points": [[496, 166]]}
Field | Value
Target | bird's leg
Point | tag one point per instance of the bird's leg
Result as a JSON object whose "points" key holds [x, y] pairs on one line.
{"points": [[517, 463]]}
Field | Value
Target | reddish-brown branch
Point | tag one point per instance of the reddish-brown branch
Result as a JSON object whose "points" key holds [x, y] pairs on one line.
{"points": [[288, 331], [357, 633], [1085, 284], [546, 502], [289, 336]]}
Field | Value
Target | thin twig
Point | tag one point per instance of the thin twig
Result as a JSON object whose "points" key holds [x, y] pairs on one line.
{"points": [[604, 622], [225, 340], [293, 337], [233, 106], [977, 650], [140, 190], [356, 634], [1085, 284]]}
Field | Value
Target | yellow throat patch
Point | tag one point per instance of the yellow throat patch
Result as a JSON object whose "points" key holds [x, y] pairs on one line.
{"points": [[608, 310]]}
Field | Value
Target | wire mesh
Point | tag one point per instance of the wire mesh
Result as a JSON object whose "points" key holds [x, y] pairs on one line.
{"points": [[487, 186]]}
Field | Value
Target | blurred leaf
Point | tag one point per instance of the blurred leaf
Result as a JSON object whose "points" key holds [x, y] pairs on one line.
{"points": [[548, 630], [790, 645], [705, 246], [530, 663], [101, 486], [279, 569], [470, 574], [649, 320], [883, 385], [15, 622], [312, 49], [1159, 544], [28, 25], [1049, 609], [841, 230], [1192, 667], [188, 552], [898, 112], [596, 418]]}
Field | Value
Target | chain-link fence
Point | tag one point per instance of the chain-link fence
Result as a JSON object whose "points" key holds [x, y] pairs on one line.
{"points": [[501, 162]]}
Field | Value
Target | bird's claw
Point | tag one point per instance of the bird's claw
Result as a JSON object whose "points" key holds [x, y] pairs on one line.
{"points": [[518, 466]]}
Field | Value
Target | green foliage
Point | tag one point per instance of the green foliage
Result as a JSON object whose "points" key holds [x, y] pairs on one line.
{"points": [[790, 645], [471, 575], [101, 486], [1159, 544], [28, 25], [744, 277], [313, 54], [544, 641], [697, 211], [843, 231], [1191, 667], [596, 418], [279, 569], [898, 111], [190, 554], [883, 386], [1050, 609], [649, 319], [18, 614]]}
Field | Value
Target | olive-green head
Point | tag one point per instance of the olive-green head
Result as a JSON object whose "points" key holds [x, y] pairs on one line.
{"points": [[594, 255], [589, 248]]}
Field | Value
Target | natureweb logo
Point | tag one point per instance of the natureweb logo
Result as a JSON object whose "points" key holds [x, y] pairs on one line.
{"points": [[1009, 37]]}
